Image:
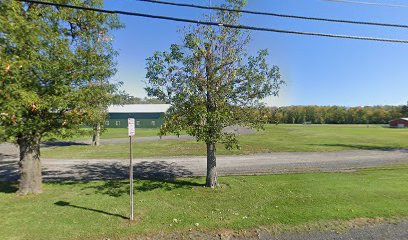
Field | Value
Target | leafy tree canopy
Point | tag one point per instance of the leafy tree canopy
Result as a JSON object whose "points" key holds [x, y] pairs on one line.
{"points": [[55, 66], [212, 83], [55, 69]]}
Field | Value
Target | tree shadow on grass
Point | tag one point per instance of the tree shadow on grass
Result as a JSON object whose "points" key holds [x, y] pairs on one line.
{"points": [[116, 188], [8, 187], [359, 147], [67, 204], [148, 177], [48, 144]]}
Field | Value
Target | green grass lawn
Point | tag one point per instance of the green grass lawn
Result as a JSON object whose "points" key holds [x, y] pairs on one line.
{"points": [[123, 132], [281, 138], [98, 210], [108, 133]]}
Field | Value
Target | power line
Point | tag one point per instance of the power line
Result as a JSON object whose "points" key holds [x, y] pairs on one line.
{"points": [[276, 14], [215, 23], [369, 3]]}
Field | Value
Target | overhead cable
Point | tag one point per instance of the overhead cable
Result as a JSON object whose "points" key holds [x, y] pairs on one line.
{"points": [[245, 27], [369, 3], [276, 14]]}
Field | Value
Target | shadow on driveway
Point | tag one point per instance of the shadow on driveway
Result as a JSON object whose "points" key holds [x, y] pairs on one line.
{"points": [[155, 175], [8, 170]]}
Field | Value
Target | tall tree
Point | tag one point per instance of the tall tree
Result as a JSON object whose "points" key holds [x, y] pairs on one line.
{"points": [[97, 55], [47, 72], [100, 96], [212, 84]]}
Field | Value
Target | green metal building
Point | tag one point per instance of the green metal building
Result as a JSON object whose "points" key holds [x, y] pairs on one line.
{"points": [[145, 115]]}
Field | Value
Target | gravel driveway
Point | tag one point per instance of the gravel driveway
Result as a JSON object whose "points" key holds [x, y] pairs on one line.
{"points": [[170, 167]]}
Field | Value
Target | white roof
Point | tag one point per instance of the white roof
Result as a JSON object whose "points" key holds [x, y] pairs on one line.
{"points": [[405, 119], [139, 108]]}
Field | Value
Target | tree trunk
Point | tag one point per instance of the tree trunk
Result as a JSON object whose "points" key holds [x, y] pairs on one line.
{"points": [[212, 176], [96, 135], [29, 166]]}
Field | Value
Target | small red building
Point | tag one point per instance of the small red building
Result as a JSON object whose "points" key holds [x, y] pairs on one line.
{"points": [[399, 123]]}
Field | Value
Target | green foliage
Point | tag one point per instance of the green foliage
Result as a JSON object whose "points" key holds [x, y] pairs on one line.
{"points": [[96, 210], [336, 114], [122, 98], [404, 110], [54, 69], [211, 83]]}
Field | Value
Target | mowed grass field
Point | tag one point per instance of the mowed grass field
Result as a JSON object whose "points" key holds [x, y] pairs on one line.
{"points": [[109, 133], [275, 138], [98, 210]]}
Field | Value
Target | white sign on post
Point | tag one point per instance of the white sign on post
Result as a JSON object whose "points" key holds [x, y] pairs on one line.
{"points": [[131, 133], [131, 127]]}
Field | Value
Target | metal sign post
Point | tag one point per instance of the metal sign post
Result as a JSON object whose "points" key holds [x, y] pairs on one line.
{"points": [[131, 133]]}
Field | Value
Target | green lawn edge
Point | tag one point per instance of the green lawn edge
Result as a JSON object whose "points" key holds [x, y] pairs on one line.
{"points": [[98, 209], [275, 138]]}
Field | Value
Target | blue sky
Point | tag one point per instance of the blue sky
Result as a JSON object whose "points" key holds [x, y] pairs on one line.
{"points": [[318, 71]]}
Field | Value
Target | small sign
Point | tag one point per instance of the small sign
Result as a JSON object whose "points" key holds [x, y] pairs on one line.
{"points": [[131, 131], [131, 127]]}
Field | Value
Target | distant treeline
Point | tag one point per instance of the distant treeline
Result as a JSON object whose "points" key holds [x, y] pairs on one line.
{"points": [[337, 114], [125, 98]]}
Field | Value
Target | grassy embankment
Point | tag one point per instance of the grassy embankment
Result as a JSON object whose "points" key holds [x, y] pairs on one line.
{"points": [[98, 210], [281, 138]]}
